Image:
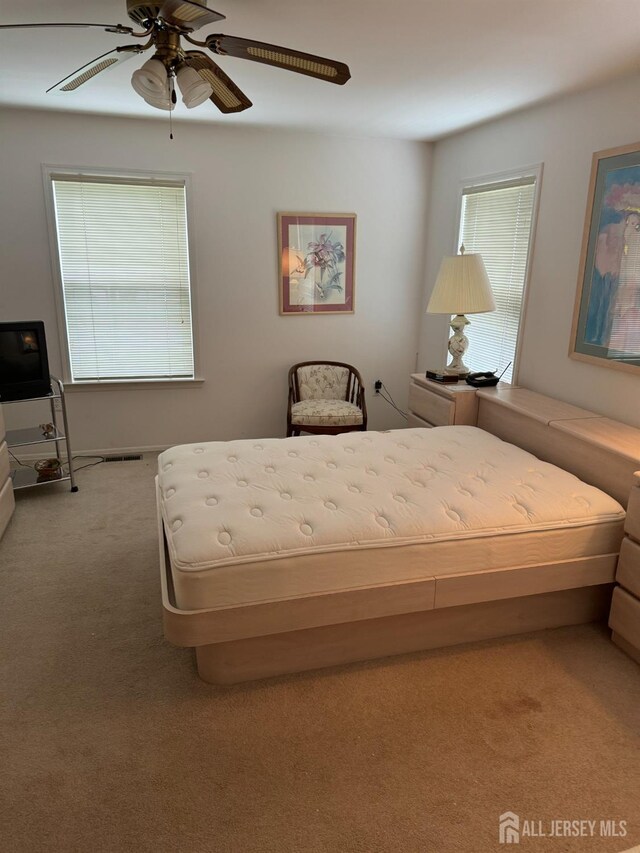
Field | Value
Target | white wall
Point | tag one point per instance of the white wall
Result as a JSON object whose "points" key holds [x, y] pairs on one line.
{"points": [[241, 178], [563, 134]]}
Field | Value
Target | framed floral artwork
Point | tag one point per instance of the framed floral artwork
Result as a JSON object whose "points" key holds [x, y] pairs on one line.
{"points": [[606, 321], [317, 262]]}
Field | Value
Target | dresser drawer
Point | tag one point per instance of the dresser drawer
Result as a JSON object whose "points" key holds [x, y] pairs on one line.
{"points": [[624, 618], [431, 407], [7, 504], [628, 574], [414, 421], [4, 463], [632, 525]]}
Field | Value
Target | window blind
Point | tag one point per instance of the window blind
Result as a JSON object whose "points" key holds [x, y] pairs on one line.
{"points": [[496, 222], [124, 267]]}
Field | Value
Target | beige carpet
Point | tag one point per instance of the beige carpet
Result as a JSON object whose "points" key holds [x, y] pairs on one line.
{"points": [[112, 743]]}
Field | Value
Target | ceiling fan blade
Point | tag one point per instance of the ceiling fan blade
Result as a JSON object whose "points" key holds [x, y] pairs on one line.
{"points": [[96, 66], [187, 14], [110, 28], [281, 57], [227, 97]]}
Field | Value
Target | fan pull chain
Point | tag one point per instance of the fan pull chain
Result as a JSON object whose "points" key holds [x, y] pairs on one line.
{"points": [[174, 101]]}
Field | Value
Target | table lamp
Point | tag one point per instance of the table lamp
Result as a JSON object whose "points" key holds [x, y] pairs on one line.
{"points": [[462, 287]]}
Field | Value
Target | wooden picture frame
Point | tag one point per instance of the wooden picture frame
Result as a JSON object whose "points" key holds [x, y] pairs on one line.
{"points": [[606, 318], [316, 257]]}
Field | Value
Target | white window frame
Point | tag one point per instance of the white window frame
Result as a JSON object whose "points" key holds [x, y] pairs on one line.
{"points": [[534, 171], [48, 172]]}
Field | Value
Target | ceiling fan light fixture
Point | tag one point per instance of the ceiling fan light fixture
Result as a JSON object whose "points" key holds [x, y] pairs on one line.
{"points": [[152, 84], [165, 24], [161, 103], [195, 90]]}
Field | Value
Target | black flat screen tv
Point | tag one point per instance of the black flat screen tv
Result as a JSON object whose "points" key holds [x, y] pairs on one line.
{"points": [[24, 366]]}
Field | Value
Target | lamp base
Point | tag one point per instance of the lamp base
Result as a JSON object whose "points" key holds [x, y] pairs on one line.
{"points": [[458, 345]]}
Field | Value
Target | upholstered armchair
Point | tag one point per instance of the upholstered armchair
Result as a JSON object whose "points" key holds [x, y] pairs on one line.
{"points": [[325, 397]]}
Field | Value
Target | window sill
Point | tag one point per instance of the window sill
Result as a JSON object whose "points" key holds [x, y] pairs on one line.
{"points": [[134, 385]]}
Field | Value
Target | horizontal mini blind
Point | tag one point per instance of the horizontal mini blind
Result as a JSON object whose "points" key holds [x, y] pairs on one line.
{"points": [[124, 266], [496, 222]]}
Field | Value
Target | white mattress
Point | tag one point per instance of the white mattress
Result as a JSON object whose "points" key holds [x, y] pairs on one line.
{"points": [[258, 520]]}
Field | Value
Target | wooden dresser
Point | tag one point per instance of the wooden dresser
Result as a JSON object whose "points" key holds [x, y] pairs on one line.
{"points": [[7, 502], [624, 620], [438, 404]]}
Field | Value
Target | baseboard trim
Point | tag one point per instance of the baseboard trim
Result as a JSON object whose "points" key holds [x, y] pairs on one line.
{"points": [[105, 451]]}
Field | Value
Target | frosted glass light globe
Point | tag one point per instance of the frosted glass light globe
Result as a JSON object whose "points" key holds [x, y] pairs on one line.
{"points": [[195, 90]]}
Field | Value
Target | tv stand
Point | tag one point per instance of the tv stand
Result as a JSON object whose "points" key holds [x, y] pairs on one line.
{"points": [[25, 476]]}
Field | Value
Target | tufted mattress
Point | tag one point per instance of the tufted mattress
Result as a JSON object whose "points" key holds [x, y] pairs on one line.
{"points": [[249, 521]]}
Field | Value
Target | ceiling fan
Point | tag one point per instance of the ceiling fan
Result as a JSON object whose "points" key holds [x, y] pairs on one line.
{"points": [[165, 23]]}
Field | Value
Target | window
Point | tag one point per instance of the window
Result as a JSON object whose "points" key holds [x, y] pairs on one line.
{"points": [[497, 221], [124, 269]]}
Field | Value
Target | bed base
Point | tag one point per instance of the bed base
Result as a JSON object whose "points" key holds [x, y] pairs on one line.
{"points": [[251, 641], [331, 645]]}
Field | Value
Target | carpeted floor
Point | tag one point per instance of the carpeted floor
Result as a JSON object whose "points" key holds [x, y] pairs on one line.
{"points": [[112, 743]]}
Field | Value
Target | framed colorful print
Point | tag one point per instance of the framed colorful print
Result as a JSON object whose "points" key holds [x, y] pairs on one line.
{"points": [[317, 262], [606, 320]]}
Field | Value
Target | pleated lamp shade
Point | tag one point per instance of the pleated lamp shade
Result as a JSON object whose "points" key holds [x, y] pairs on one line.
{"points": [[462, 287]]}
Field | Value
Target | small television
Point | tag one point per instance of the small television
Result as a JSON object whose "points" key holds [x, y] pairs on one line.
{"points": [[24, 366]]}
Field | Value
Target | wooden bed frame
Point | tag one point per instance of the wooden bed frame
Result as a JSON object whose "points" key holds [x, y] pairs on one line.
{"points": [[249, 641]]}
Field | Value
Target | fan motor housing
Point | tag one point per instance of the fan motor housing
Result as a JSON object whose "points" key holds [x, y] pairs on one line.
{"points": [[142, 13]]}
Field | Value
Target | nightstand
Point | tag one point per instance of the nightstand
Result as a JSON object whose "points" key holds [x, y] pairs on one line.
{"points": [[440, 404]]}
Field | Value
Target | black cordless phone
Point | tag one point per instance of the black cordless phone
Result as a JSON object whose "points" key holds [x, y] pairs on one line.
{"points": [[486, 379]]}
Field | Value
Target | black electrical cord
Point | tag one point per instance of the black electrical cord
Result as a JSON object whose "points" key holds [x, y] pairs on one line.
{"points": [[90, 465], [391, 401]]}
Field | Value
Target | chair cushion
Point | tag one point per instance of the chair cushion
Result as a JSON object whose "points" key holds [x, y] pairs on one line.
{"points": [[322, 382], [325, 413]]}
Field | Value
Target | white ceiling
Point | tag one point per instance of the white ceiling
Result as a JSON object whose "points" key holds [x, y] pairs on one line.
{"points": [[420, 68]]}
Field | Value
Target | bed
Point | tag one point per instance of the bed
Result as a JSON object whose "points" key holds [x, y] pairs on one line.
{"points": [[282, 555]]}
